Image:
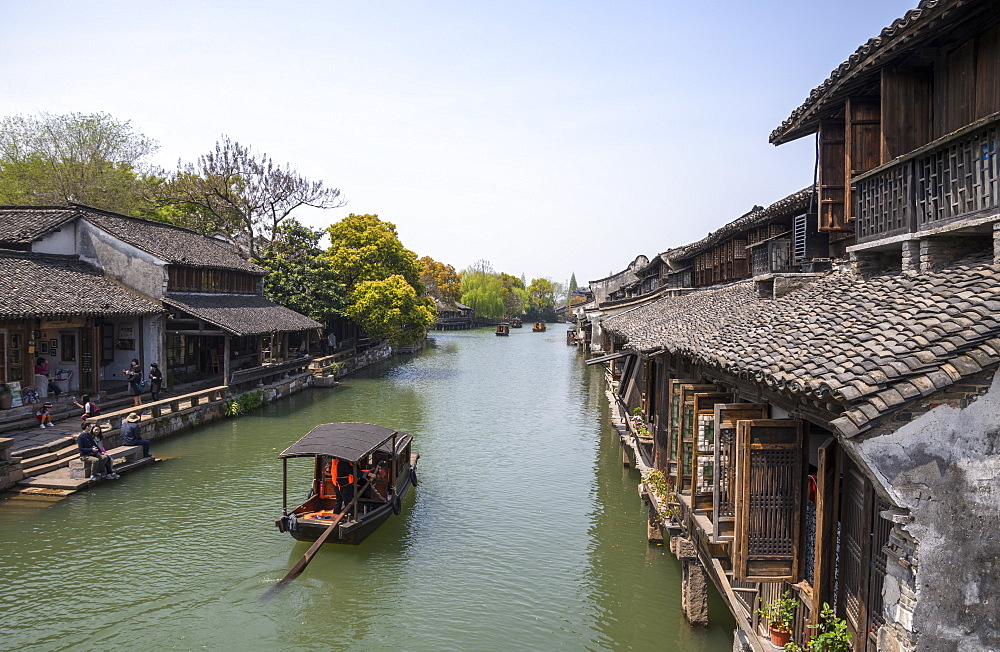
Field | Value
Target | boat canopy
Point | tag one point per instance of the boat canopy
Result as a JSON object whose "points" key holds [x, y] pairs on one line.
{"points": [[346, 441]]}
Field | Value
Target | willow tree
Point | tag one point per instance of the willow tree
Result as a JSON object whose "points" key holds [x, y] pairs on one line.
{"points": [[482, 290]]}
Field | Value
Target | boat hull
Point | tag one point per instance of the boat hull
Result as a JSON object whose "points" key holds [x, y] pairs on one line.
{"points": [[352, 532]]}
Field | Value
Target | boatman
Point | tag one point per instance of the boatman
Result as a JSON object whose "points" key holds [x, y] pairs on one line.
{"points": [[344, 479]]}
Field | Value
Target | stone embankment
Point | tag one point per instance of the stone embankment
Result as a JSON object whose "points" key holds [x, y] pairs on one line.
{"points": [[37, 460]]}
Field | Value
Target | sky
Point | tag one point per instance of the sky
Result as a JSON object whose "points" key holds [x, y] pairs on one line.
{"points": [[549, 138]]}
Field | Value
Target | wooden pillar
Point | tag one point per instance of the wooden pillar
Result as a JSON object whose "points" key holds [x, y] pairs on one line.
{"points": [[226, 355]]}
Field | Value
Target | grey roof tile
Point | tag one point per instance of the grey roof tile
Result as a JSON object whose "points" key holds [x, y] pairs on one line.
{"points": [[42, 285]]}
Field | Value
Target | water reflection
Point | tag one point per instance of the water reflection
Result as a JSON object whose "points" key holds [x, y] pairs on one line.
{"points": [[525, 532]]}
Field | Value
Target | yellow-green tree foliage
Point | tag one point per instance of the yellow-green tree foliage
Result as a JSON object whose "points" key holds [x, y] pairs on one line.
{"points": [[391, 309], [365, 248]]}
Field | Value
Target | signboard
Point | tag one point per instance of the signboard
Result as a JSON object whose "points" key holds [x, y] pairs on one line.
{"points": [[15, 391], [64, 322]]}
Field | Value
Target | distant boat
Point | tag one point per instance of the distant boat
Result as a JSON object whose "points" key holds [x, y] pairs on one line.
{"points": [[515, 323], [539, 327], [503, 329], [571, 337], [364, 470]]}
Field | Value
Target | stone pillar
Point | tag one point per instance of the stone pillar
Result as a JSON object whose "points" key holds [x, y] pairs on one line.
{"points": [[911, 257], [10, 467], [694, 584], [654, 527]]}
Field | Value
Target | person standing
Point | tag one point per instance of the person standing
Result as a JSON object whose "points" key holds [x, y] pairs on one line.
{"points": [[131, 435], [134, 377], [155, 381]]}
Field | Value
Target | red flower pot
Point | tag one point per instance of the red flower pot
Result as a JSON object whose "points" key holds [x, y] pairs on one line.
{"points": [[779, 637]]}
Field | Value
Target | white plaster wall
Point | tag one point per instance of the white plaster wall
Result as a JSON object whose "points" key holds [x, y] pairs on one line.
{"points": [[944, 467], [129, 265], [61, 241]]}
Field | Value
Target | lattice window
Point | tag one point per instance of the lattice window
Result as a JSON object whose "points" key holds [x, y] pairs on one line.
{"points": [[769, 483]]}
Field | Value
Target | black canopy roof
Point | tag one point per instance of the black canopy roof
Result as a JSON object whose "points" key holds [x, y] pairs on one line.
{"points": [[347, 441]]}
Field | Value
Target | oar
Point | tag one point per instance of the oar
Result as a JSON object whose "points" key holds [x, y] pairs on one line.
{"points": [[301, 564]]}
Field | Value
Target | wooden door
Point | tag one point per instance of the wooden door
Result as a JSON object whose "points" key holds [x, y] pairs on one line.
{"points": [[723, 490], [832, 176], [703, 476], [862, 563], [769, 500]]}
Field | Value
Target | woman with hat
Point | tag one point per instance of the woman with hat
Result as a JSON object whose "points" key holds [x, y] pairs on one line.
{"points": [[130, 434]]}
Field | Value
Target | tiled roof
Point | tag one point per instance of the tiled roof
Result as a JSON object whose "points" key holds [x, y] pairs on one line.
{"points": [[40, 285], [867, 344], [21, 225], [793, 204], [241, 314], [892, 40], [171, 243]]}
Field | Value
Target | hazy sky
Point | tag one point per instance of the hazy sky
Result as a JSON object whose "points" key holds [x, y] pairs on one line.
{"points": [[545, 137]]}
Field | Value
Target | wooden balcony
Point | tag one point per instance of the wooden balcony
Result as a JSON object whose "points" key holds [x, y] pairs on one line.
{"points": [[943, 183]]}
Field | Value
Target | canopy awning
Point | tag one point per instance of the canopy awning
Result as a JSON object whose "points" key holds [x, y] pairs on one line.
{"points": [[610, 356], [240, 314], [346, 441]]}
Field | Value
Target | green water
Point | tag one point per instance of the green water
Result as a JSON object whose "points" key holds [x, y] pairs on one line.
{"points": [[524, 533]]}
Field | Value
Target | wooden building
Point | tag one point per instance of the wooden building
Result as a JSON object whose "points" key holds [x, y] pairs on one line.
{"points": [[211, 317], [828, 427]]}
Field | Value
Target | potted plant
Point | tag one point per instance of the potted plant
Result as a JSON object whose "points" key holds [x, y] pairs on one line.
{"points": [[778, 614], [830, 634]]}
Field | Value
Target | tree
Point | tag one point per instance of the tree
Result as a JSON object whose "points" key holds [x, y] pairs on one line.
{"points": [[543, 300], [572, 287], [482, 290], [442, 281], [243, 196], [391, 309], [364, 248], [515, 296], [300, 276], [382, 279], [92, 159]]}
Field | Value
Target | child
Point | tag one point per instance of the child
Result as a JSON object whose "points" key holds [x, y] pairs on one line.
{"points": [[43, 416], [90, 409]]}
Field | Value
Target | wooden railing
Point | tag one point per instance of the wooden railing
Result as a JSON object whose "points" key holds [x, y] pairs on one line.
{"points": [[950, 178], [267, 373], [164, 406]]}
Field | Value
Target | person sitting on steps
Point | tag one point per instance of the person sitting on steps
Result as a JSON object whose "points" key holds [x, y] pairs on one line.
{"points": [[90, 449], [130, 434], [90, 409], [43, 416]]}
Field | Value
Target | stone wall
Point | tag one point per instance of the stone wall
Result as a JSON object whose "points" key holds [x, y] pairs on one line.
{"points": [[940, 463], [371, 356]]}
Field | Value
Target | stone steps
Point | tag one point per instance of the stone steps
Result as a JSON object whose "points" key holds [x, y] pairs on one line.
{"points": [[60, 479]]}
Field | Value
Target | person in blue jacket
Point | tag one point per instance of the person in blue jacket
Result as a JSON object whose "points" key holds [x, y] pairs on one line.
{"points": [[90, 448]]}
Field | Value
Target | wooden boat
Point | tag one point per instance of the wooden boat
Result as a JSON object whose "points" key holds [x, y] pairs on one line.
{"points": [[571, 337], [539, 327], [363, 460], [515, 323], [503, 329]]}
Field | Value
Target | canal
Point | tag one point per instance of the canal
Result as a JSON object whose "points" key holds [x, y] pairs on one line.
{"points": [[524, 533]]}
